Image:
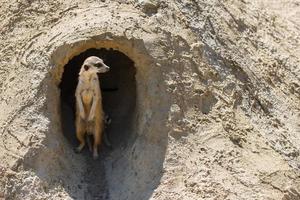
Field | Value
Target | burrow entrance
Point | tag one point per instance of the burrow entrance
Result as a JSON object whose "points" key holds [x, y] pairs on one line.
{"points": [[118, 87], [133, 94]]}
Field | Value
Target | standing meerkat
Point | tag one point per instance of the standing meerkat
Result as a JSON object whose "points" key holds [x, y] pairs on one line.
{"points": [[89, 111]]}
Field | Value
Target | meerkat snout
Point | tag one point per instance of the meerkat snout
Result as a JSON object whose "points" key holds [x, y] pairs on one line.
{"points": [[107, 68], [102, 68]]}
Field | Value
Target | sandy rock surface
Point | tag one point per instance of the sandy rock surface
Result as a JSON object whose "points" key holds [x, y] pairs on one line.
{"points": [[216, 107]]}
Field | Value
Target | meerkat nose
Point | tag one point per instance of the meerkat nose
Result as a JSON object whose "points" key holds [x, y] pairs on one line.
{"points": [[86, 67]]}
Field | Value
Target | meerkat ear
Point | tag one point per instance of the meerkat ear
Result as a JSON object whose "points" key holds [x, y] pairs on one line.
{"points": [[86, 67]]}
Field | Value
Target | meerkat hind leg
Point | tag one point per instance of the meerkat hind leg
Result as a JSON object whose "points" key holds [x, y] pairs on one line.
{"points": [[81, 145], [95, 148], [80, 133], [89, 142], [97, 140]]}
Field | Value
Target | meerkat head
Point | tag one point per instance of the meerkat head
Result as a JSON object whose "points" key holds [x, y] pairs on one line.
{"points": [[93, 64]]}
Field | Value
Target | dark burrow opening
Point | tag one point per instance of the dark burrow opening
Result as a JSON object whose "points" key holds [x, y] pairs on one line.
{"points": [[118, 87]]}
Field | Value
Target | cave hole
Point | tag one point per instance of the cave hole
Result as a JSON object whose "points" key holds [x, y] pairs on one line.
{"points": [[118, 87]]}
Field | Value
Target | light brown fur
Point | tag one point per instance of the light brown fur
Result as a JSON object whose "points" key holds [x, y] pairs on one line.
{"points": [[89, 111]]}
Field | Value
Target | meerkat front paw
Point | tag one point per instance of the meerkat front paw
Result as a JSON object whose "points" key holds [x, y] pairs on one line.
{"points": [[82, 115], [91, 118]]}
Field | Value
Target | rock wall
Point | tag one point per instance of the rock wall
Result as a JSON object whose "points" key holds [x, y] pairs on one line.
{"points": [[217, 100]]}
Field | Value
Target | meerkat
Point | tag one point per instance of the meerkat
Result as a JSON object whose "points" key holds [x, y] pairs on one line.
{"points": [[89, 111]]}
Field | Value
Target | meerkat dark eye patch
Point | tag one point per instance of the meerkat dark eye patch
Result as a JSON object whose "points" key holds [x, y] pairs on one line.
{"points": [[98, 64], [86, 67]]}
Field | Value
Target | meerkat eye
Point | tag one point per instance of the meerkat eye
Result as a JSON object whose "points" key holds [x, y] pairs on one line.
{"points": [[98, 64]]}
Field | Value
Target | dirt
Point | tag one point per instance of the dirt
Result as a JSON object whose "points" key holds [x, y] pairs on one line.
{"points": [[203, 95]]}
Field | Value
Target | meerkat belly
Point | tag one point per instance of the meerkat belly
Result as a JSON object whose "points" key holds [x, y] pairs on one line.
{"points": [[87, 99]]}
